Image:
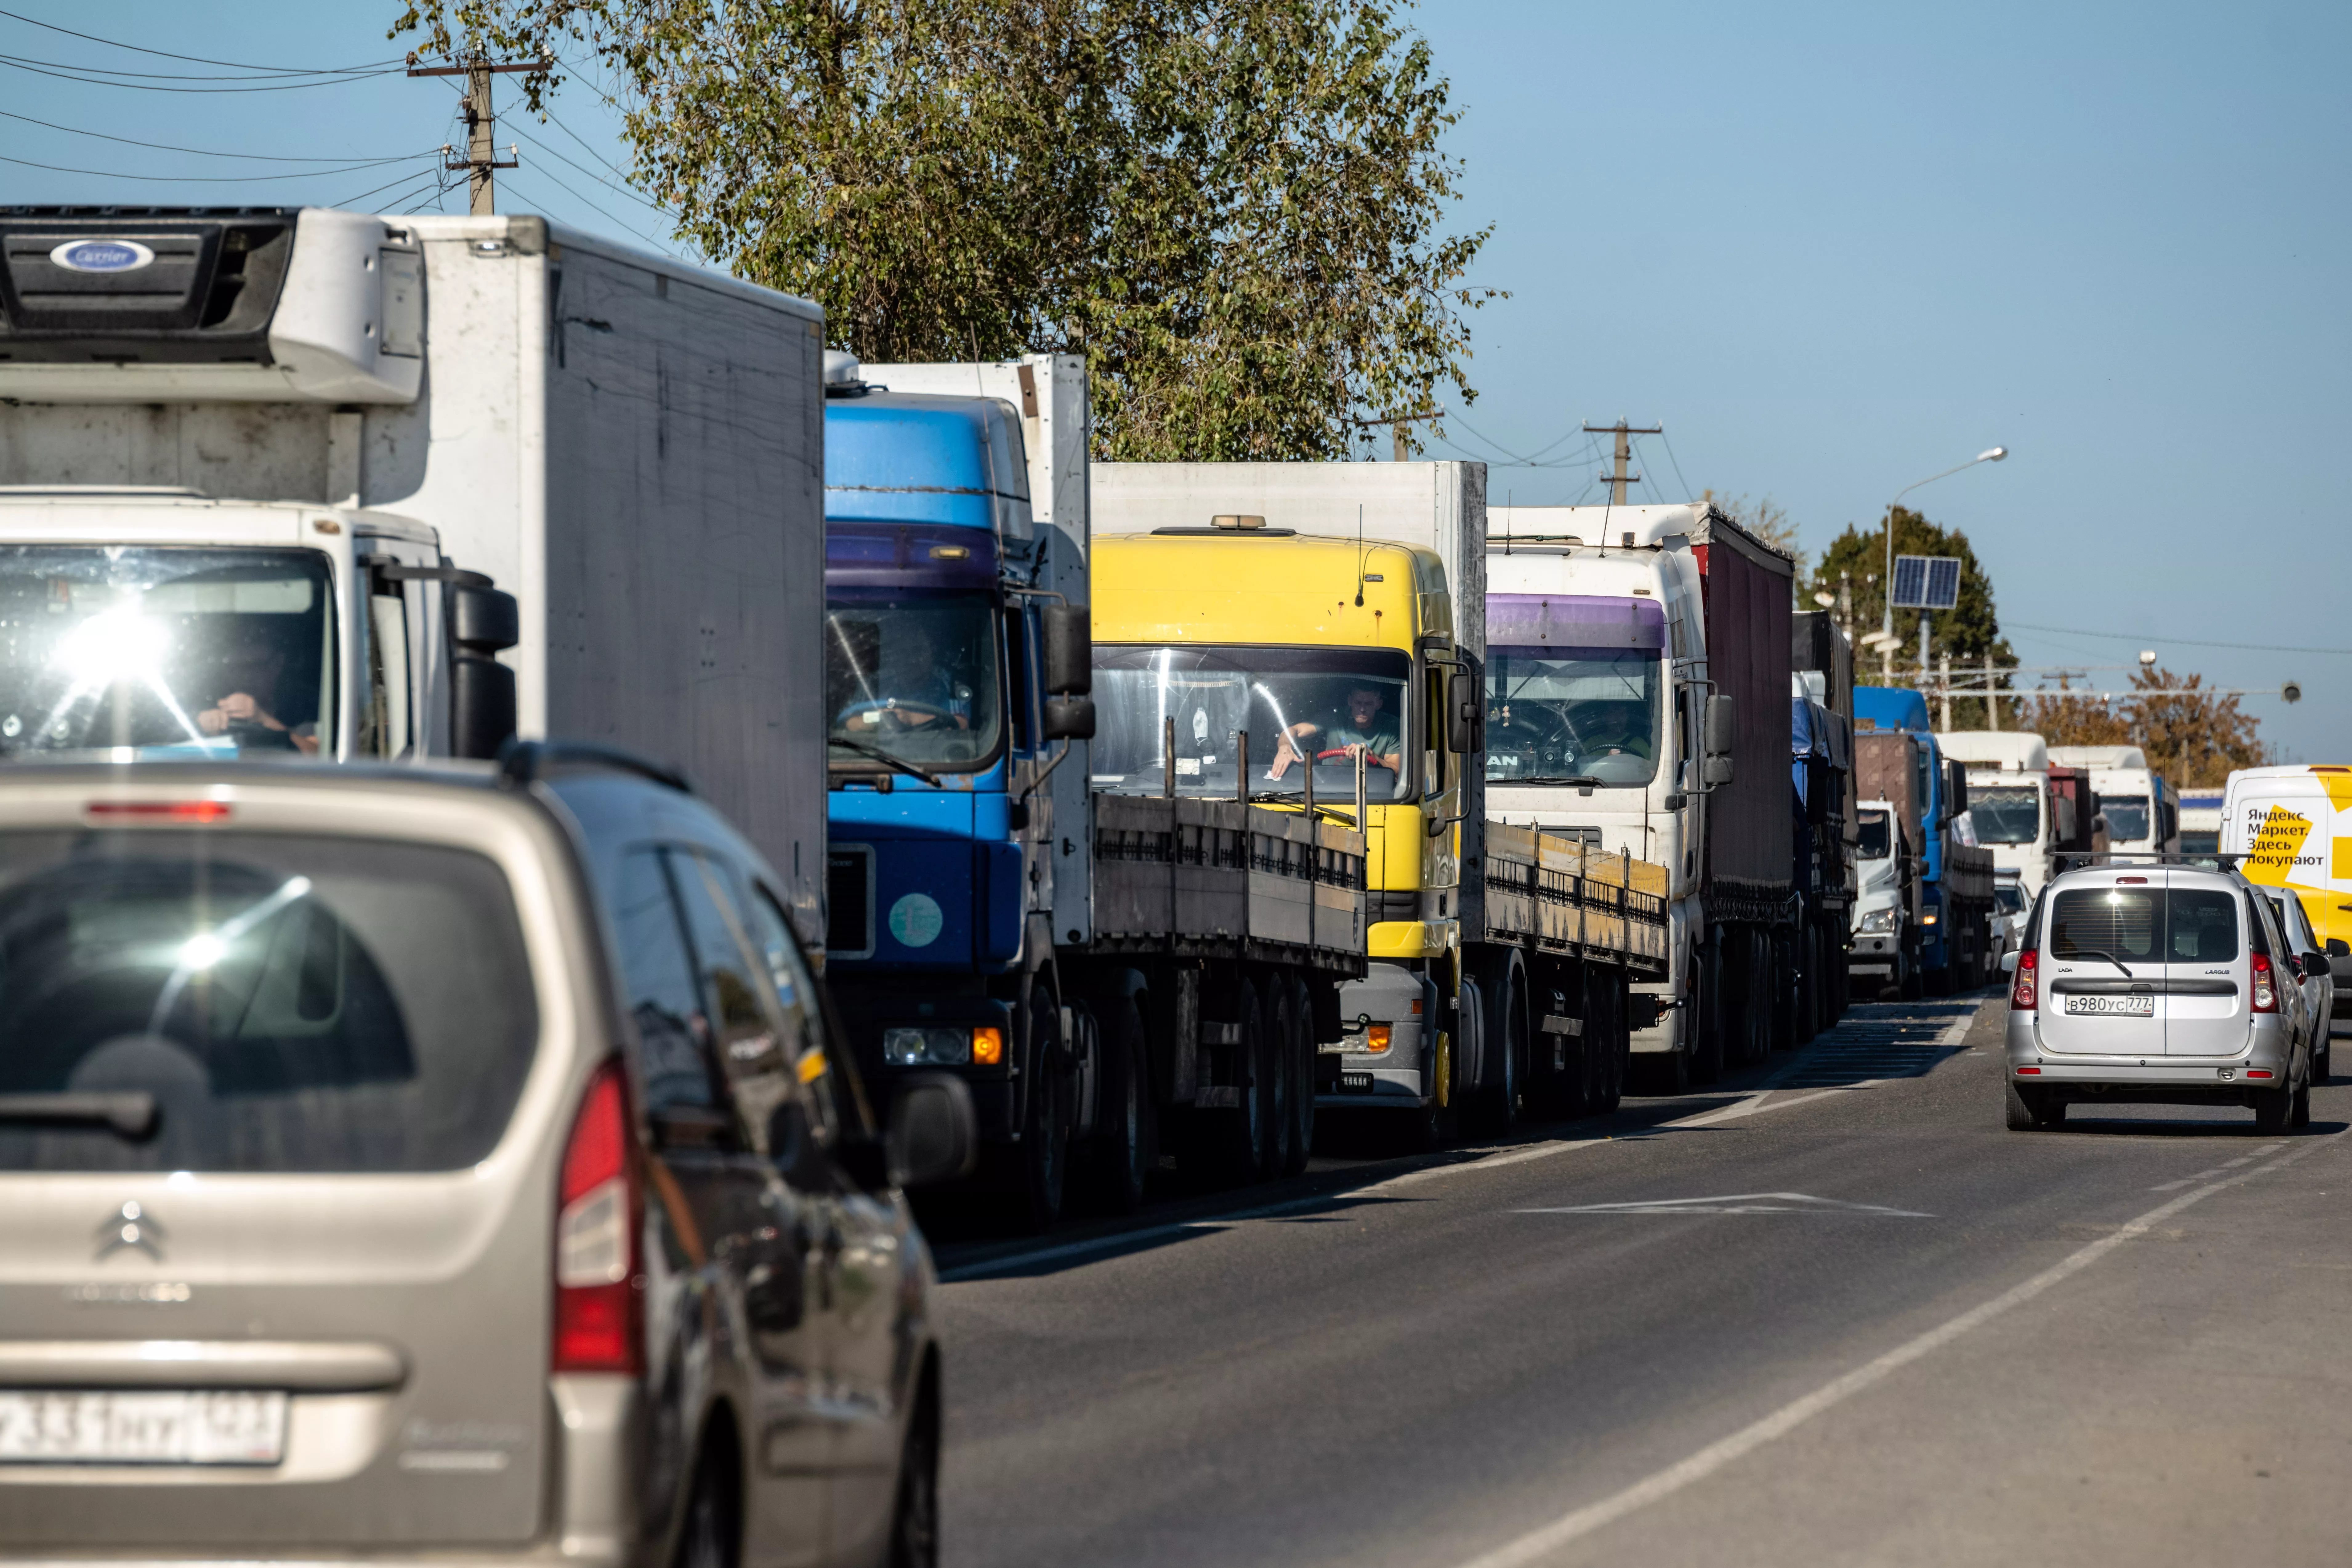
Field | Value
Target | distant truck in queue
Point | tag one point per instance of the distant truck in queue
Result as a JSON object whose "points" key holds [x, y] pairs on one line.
{"points": [[1956, 903], [1687, 619], [305, 481], [1327, 635], [1113, 964], [2141, 809], [1825, 809], [2029, 811]]}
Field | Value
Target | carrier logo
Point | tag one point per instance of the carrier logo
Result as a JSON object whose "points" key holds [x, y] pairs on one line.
{"points": [[102, 255]]}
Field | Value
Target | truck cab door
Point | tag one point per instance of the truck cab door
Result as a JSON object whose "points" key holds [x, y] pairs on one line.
{"points": [[396, 620]]}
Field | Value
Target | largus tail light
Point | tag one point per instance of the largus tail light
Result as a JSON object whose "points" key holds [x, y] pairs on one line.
{"points": [[2021, 995], [599, 1289], [2265, 985]]}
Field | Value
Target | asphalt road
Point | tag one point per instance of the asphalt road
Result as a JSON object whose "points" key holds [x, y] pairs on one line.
{"points": [[1852, 1319]]}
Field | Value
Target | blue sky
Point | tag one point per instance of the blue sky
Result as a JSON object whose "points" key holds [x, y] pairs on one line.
{"points": [[1832, 249]]}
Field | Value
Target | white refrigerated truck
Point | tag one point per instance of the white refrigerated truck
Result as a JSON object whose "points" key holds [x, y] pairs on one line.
{"points": [[299, 479]]}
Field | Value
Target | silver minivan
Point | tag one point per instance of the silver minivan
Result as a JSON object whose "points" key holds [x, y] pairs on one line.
{"points": [[2152, 982], [441, 1164]]}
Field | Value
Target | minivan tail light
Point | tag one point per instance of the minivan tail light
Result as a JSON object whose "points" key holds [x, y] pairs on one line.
{"points": [[599, 1289], [2022, 998], [2265, 985]]}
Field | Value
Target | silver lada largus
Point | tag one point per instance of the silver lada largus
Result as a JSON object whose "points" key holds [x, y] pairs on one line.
{"points": [[441, 1164], [2141, 981]]}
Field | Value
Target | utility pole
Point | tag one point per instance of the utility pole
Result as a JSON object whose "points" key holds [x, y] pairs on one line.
{"points": [[1619, 479], [1992, 696], [481, 155], [1945, 672], [1399, 421]]}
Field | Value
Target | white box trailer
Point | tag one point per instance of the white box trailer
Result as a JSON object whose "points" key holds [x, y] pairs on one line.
{"points": [[294, 449]]}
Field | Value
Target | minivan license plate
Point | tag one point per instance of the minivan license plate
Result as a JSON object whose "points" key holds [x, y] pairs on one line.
{"points": [[163, 1426], [2113, 1006]]}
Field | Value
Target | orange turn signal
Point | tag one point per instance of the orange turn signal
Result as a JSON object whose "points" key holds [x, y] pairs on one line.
{"points": [[987, 1044], [1376, 1038]]}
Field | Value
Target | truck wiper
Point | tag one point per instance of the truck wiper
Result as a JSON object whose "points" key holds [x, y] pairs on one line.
{"points": [[1581, 780], [885, 758], [2095, 953], [132, 1115]]}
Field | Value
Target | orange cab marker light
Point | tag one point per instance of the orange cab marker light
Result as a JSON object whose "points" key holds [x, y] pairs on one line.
{"points": [[160, 810], [1376, 1038], [987, 1044]]}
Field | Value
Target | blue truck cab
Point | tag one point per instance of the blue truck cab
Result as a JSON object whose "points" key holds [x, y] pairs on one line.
{"points": [[956, 665], [1895, 708]]}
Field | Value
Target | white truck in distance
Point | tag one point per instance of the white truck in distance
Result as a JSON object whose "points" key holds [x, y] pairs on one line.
{"points": [[2010, 803], [2143, 813], [260, 467]]}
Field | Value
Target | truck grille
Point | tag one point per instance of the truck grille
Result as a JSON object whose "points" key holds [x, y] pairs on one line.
{"points": [[849, 902]]}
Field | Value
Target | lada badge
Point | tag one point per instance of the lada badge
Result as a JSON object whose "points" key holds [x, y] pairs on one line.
{"points": [[101, 256]]}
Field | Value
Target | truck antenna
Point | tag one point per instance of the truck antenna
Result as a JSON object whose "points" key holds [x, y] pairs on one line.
{"points": [[1359, 555]]}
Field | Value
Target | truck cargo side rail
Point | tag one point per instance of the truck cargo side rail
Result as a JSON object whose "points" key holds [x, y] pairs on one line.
{"points": [[1188, 878], [1562, 896]]}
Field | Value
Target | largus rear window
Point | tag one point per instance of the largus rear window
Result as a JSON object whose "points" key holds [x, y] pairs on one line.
{"points": [[2145, 924], [260, 1002]]}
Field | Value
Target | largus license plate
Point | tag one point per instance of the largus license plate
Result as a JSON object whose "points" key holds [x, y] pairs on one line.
{"points": [[2113, 1006]]}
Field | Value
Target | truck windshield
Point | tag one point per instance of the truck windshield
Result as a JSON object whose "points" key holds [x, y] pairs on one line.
{"points": [[1876, 843], [913, 675], [2128, 816], [1560, 714], [2006, 813], [1323, 705], [167, 650]]}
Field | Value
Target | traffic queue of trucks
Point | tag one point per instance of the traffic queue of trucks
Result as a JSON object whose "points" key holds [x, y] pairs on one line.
{"points": [[1168, 806]]}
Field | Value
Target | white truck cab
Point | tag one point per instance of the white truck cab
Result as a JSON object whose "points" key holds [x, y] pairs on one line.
{"points": [[2010, 803], [2142, 810]]}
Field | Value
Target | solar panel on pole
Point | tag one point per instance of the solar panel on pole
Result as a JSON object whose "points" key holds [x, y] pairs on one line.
{"points": [[1926, 582]]}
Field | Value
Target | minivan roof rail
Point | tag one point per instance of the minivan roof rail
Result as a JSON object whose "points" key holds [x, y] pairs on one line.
{"points": [[523, 763], [2076, 859]]}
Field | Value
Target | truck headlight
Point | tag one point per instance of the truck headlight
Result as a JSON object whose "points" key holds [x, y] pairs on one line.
{"points": [[1879, 920], [948, 1047]]}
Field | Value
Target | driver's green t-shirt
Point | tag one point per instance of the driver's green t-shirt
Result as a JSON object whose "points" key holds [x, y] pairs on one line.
{"points": [[1378, 742]]}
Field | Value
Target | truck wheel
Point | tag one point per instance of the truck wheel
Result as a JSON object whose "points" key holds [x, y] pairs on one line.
{"points": [[1706, 1059], [1787, 980], [1230, 1139], [1494, 1109], [1617, 1046], [1045, 1120], [1126, 1151], [1302, 1062], [1277, 1069]]}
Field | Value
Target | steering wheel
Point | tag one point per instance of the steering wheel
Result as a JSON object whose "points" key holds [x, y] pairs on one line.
{"points": [[899, 705], [252, 735], [1337, 753]]}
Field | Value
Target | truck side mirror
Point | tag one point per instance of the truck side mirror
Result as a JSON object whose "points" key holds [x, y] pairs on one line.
{"points": [[1465, 718], [1956, 787], [1069, 718], [1722, 731], [483, 622], [1717, 772], [1069, 654]]}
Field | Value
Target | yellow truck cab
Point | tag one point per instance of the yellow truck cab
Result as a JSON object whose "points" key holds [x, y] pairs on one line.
{"points": [[1236, 656]]}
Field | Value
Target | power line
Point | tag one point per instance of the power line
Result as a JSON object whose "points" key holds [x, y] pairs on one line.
{"points": [[2190, 642], [588, 173], [197, 59], [339, 74], [167, 147], [388, 185], [592, 206], [16, 63], [213, 179], [1677, 462]]}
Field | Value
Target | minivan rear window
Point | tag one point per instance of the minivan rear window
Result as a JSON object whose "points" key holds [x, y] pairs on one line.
{"points": [[2145, 925], [286, 1003]]}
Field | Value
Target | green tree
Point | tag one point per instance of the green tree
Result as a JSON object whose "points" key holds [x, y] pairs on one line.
{"points": [[1234, 208], [1856, 564]]}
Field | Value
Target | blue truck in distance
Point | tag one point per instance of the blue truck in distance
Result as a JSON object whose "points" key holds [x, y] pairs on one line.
{"points": [[963, 881], [1956, 889]]}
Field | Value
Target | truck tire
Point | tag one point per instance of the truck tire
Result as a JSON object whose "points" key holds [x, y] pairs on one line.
{"points": [[1302, 1061], [1785, 978], [1277, 1070], [1617, 1045], [1230, 1142], [1044, 1152], [1494, 1108], [1119, 1160], [1707, 1058]]}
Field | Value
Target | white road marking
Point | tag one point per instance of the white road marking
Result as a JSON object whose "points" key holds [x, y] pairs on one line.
{"points": [[1737, 1203], [1755, 1104], [1661, 1484]]}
